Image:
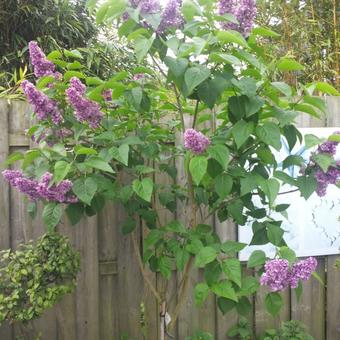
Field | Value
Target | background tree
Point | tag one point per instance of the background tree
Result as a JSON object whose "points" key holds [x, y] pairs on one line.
{"points": [[309, 32]]}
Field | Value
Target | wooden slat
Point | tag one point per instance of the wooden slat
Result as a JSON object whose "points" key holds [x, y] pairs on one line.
{"points": [[311, 308], [226, 231], [263, 320], [108, 236], [88, 282], [5, 232]]}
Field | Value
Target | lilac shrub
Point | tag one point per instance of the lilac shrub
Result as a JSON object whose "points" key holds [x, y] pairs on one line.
{"points": [[195, 141]]}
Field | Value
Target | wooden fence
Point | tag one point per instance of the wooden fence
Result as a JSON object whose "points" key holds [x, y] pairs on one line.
{"points": [[111, 299]]}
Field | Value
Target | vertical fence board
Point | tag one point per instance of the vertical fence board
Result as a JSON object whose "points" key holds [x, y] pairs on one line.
{"points": [[311, 308], [226, 231], [5, 226], [108, 235], [87, 283]]}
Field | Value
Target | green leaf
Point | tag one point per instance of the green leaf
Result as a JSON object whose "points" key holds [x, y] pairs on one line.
{"points": [[275, 234], [82, 150], [270, 134], [182, 257], [164, 264], [241, 131], [225, 305], [223, 185], [177, 66], [205, 256], [15, 156], [326, 88], [292, 160], [220, 153], [75, 212], [265, 32], [98, 163], [224, 58], [85, 189], [195, 76], [288, 254], [283, 88], [232, 247], [232, 268], [198, 168], [142, 47], [129, 226], [121, 153], [143, 188], [101, 12], [298, 291], [231, 37], [257, 258], [334, 138], [307, 185], [212, 272], [224, 289], [273, 302], [324, 160], [271, 189], [201, 293], [69, 74], [61, 169], [153, 237], [287, 64], [52, 214], [244, 306]]}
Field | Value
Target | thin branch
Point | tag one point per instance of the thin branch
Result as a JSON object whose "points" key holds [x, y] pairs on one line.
{"points": [[195, 114], [142, 269]]}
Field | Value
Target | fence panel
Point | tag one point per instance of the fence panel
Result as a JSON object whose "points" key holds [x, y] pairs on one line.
{"points": [[111, 299]]}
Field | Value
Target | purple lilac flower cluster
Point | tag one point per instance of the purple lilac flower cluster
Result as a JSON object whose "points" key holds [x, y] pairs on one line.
{"points": [[244, 11], [195, 141], [43, 106], [42, 67], [171, 16], [146, 6], [85, 110], [332, 176], [42, 189], [107, 95], [279, 275]]}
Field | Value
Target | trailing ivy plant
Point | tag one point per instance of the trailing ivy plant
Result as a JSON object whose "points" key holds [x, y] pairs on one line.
{"points": [[210, 118], [35, 277]]}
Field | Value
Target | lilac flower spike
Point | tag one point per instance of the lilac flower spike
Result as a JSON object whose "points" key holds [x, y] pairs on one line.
{"points": [[85, 110], [40, 189], [43, 106], [278, 275], [195, 141], [146, 6], [332, 176], [42, 66], [244, 11], [171, 16]]}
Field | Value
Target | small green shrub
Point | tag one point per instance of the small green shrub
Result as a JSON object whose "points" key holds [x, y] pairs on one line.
{"points": [[34, 277]]}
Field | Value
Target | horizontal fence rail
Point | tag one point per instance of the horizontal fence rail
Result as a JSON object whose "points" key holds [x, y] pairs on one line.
{"points": [[111, 300]]}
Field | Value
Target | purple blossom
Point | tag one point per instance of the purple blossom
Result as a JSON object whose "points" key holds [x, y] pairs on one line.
{"points": [[332, 176], [279, 276], [146, 6], [42, 66], [85, 110], [138, 76], [244, 11], [276, 275], [171, 16], [40, 189], [63, 133], [195, 141], [43, 106], [329, 146], [302, 270], [107, 95]]}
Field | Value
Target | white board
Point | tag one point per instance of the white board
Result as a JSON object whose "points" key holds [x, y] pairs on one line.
{"points": [[313, 226]]}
